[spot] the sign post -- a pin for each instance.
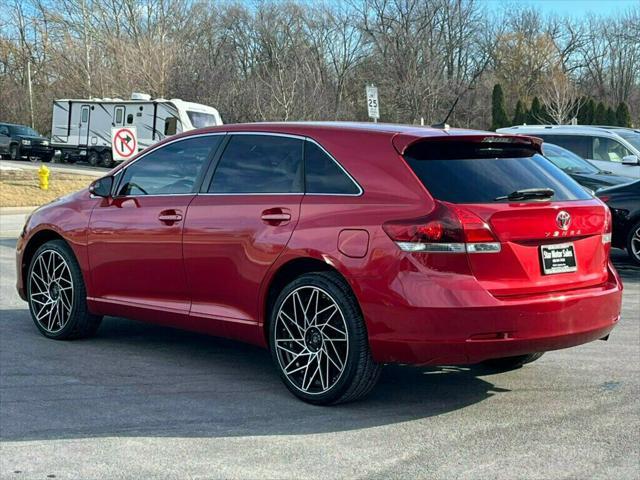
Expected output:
(124, 143)
(372, 103)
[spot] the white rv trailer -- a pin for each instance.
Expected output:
(81, 129)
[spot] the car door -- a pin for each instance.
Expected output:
(135, 237)
(83, 128)
(608, 154)
(5, 139)
(238, 226)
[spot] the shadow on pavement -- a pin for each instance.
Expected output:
(136, 379)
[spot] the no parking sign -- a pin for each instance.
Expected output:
(124, 143)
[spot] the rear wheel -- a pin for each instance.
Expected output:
(633, 243)
(511, 363)
(319, 342)
(57, 294)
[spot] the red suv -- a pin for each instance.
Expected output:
(338, 246)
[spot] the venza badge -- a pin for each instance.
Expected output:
(563, 220)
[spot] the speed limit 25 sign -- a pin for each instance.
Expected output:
(372, 102)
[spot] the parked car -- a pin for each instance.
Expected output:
(609, 149)
(339, 246)
(19, 142)
(580, 170)
(624, 202)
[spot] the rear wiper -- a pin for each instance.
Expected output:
(528, 193)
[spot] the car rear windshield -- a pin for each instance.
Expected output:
(480, 172)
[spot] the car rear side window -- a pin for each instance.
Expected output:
(324, 175)
(169, 170)
(259, 164)
(471, 172)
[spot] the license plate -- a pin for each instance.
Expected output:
(560, 258)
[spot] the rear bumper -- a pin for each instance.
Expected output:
(464, 335)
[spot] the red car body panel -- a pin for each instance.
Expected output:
(211, 271)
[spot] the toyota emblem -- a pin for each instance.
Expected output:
(563, 220)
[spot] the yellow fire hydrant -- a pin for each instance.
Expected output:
(43, 173)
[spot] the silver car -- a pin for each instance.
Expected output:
(610, 149)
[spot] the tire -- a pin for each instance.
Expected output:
(633, 243)
(106, 160)
(511, 363)
(54, 276)
(14, 152)
(347, 371)
(93, 158)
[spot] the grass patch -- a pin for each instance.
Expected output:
(20, 188)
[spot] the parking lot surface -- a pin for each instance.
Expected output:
(142, 401)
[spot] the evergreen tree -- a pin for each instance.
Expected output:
(536, 112)
(581, 111)
(600, 115)
(498, 111)
(623, 116)
(520, 116)
(612, 119)
(589, 112)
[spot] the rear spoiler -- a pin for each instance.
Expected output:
(402, 141)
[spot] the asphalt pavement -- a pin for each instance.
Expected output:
(141, 401)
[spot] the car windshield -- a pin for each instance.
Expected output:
(21, 130)
(632, 137)
(199, 119)
(566, 160)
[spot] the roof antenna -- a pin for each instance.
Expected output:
(444, 125)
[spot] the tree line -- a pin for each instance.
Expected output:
(298, 60)
(584, 111)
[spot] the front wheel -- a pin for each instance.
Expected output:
(106, 159)
(633, 244)
(511, 363)
(14, 152)
(93, 158)
(319, 342)
(57, 295)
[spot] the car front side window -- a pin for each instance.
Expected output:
(609, 149)
(173, 169)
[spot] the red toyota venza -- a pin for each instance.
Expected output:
(339, 246)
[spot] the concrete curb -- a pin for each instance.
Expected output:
(16, 210)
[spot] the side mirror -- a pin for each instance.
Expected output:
(102, 187)
(630, 160)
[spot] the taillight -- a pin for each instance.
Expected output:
(606, 233)
(448, 228)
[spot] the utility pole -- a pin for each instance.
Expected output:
(30, 91)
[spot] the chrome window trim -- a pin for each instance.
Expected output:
(299, 137)
(153, 150)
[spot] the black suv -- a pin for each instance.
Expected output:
(20, 142)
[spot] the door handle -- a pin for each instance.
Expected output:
(170, 216)
(275, 216)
